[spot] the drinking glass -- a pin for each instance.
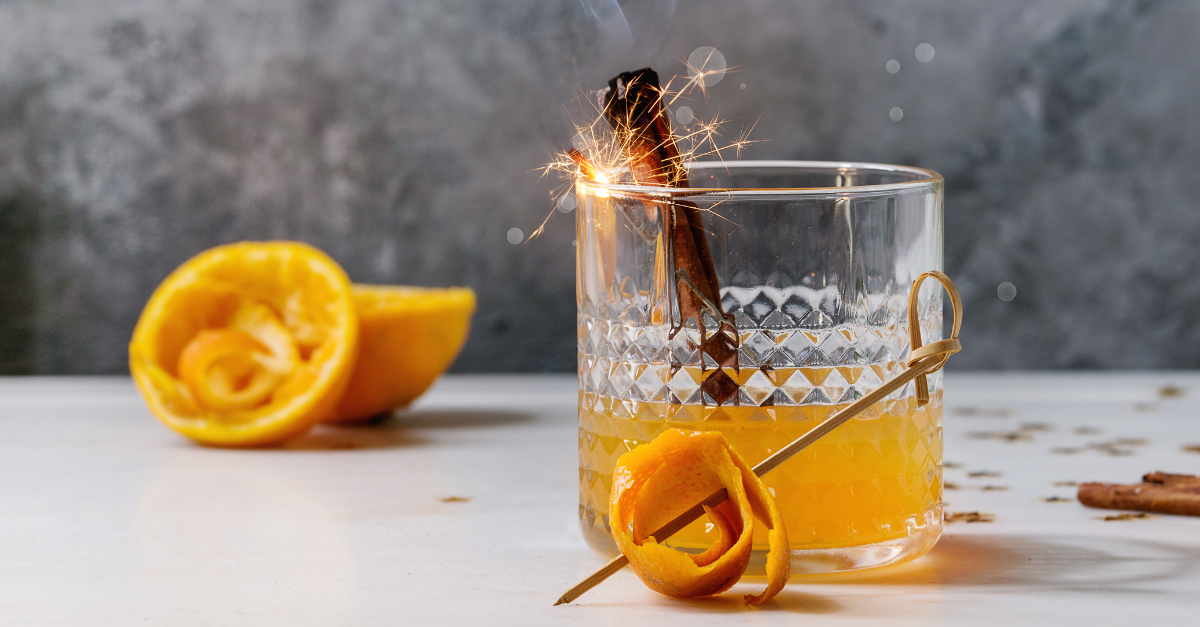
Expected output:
(814, 262)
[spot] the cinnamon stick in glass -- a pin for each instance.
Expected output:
(633, 108)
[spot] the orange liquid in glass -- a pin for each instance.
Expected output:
(875, 479)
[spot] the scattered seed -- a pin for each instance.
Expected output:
(1191, 448)
(1128, 516)
(1056, 499)
(1005, 436)
(1170, 391)
(1116, 448)
(1035, 426)
(1087, 430)
(951, 465)
(949, 485)
(1065, 484)
(985, 473)
(969, 517)
(456, 499)
(982, 412)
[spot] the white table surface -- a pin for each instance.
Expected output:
(108, 518)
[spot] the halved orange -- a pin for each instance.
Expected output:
(658, 481)
(247, 344)
(408, 336)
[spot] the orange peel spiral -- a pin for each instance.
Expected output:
(656, 482)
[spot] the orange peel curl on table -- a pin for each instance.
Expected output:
(656, 482)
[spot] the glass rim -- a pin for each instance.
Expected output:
(927, 179)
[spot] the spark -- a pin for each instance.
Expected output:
(597, 156)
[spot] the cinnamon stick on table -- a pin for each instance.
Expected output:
(633, 107)
(1159, 492)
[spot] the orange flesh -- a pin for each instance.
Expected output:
(220, 366)
(247, 344)
(408, 336)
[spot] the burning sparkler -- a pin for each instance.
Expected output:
(630, 140)
(599, 154)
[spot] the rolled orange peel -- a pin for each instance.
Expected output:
(239, 367)
(656, 482)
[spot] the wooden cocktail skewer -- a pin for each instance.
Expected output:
(922, 360)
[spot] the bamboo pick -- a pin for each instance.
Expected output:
(922, 361)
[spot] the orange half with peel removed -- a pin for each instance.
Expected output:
(408, 336)
(247, 344)
(656, 482)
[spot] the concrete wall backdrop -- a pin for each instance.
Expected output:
(402, 137)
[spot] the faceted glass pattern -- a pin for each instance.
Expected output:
(816, 285)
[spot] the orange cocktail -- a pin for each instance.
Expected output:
(875, 481)
(814, 263)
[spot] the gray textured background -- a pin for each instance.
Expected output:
(402, 137)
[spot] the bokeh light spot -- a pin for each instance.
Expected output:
(567, 202)
(893, 66)
(1006, 291)
(515, 236)
(743, 85)
(924, 53)
(685, 115)
(896, 114)
(708, 64)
